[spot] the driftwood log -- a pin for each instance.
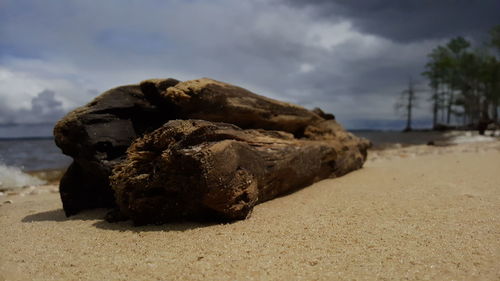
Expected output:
(97, 136)
(194, 169)
(310, 144)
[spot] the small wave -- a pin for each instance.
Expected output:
(466, 139)
(470, 137)
(13, 177)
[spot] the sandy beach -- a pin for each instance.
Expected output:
(412, 213)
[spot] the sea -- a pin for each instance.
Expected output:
(32, 154)
(25, 149)
(30, 147)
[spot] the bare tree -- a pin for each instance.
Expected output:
(406, 103)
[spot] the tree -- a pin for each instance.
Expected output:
(464, 82)
(495, 37)
(437, 73)
(407, 102)
(457, 50)
(495, 75)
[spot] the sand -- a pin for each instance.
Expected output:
(415, 213)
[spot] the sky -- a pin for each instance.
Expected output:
(351, 58)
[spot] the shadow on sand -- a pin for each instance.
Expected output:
(128, 226)
(59, 216)
(99, 214)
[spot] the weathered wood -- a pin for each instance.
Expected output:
(194, 169)
(216, 101)
(98, 134)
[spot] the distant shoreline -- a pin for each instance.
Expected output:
(26, 138)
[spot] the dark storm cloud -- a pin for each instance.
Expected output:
(410, 20)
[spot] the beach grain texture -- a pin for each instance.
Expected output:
(415, 213)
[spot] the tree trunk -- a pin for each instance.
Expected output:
(194, 169)
(435, 108)
(409, 105)
(449, 106)
(443, 100)
(495, 110)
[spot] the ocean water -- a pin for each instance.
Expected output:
(385, 138)
(32, 154)
(18, 156)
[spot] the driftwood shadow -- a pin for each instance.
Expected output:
(124, 226)
(127, 226)
(59, 216)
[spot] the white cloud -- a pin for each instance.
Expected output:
(18, 88)
(306, 67)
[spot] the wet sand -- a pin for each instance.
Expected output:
(413, 213)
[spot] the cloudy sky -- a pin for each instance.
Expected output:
(351, 58)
